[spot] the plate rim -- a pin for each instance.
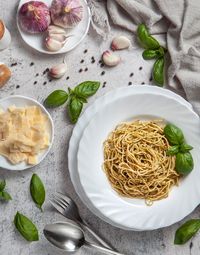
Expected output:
(51, 124)
(108, 215)
(57, 52)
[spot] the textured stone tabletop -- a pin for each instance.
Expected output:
(29, 78)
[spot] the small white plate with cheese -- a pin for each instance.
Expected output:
(26, 132)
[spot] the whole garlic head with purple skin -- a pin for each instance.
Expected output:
(34, 17)
(66, 13)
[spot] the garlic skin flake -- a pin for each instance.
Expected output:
(58, 71)
(52, 44)
(110, 58)
(120, 43)
(66, 13)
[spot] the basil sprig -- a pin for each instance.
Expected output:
(184, 161)
(37, 190)
(76, 98)
(26, 227)
(153, 50)
(3, 194)
(187, 231)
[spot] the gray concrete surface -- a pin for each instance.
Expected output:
(30, 80)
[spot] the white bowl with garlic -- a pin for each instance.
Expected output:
(26, 132)
(53, 26)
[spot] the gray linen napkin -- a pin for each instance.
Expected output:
(180, 21)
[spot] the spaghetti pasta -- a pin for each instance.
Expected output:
(136, 163)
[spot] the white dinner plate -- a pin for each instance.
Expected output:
(84, 120)
(36, 41)
(134, 213)
(22, 101)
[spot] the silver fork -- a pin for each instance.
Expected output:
(68, 208)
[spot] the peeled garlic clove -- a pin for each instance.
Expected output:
(5, 74)
(58, 71)
(120, 42)
(52, 44)
(56, 30)
(110, 58)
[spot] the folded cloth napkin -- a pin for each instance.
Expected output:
(181, 23)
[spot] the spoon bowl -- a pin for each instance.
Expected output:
(69, 236)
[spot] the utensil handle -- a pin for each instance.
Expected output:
(96, 236)
(103, 249)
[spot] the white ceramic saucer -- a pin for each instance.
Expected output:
(22, 101)
(36, 41)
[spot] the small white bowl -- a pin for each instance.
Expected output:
(22, 101)
(36, 41)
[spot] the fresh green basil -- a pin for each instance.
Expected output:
(56, 98)
(146, 40)
(184, 163)
(187, 231)
(5, 196)
(158, 71)
(2, 185)
(87, 89)
(75, 107)
(26, 227)
(184, 147)
(173, 150)
(37, 190)
(173, 134)
(153, 54)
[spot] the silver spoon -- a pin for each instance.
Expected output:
(69, 236)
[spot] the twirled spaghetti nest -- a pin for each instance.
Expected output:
(136, 163)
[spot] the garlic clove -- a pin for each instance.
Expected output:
(59, 37)
(110, 58)
(52, 44)
(58, 71)
(56, 30)
(120, 42)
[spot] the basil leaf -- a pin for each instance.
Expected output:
(184, 163)
(146, 40)
(86, 89)
(186, 231)
(75, 107)
(37, 190)
(26, 228)
(185, 147)
(2, 185)
(5, 195)
(173, 150)
(56, 98)
(173, 134)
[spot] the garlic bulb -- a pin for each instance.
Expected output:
(66, 13)
(110, 58)
(34, 17)
(5, 74)
(52, 44)
(120, 42)
(58, 71)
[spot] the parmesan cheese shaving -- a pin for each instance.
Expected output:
(23, 134)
